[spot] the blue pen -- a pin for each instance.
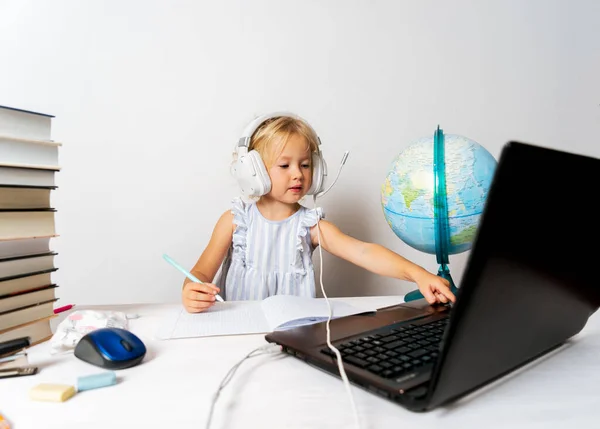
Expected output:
(187, 274)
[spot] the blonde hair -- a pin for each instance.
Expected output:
(270, 138)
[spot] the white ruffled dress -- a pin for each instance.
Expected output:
(268, 257)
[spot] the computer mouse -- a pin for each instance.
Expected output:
(111, 348)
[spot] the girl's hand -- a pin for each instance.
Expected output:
(198, 297)
(434, 288)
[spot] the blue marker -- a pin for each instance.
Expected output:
(188, 274)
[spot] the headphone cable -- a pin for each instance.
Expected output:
(327, 327)
(344, 158)
(266, 349)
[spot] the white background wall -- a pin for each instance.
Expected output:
(150, 96)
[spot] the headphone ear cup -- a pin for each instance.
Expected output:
(318, 176)
(251, 174)
(262, 175)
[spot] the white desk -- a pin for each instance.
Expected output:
(174, 385)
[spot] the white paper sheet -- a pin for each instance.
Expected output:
(224, 318)
(251, 317)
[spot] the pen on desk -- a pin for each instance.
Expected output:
(187, 274)
(13, 357)
(64, 308)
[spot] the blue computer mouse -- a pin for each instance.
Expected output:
(111, 348)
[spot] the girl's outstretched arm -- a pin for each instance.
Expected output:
(382, 261)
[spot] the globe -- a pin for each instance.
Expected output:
(434, 194)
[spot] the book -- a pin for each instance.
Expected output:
(20, 316)
(25, 282)
(16, 224)
(22, 175)
(38, 331)
(276, 312)
(25, 299)
(24, 246)
(24, 197)
(25, 123)
(15, 266)
(30, 153)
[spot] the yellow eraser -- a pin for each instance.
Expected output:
(51, 392)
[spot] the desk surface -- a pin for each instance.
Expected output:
(174, 386)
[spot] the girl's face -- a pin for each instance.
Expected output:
(291, 173)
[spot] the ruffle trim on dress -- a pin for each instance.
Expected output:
(309, 219)
(240, 216)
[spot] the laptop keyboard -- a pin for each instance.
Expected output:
(391, 351)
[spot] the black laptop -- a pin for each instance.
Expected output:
(530, 284)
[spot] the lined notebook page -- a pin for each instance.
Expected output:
(223, 318)
(251, 317)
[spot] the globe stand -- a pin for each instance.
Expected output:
(440, 214)
(444, 272)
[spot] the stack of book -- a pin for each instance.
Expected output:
(28, 164)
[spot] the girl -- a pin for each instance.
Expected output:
(265, 247)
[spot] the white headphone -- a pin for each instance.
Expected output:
(249, 168)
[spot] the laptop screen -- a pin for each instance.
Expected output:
(530, 282)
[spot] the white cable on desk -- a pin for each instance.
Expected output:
(266, 349)
(329, 344)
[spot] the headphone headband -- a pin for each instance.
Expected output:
(251, 128)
